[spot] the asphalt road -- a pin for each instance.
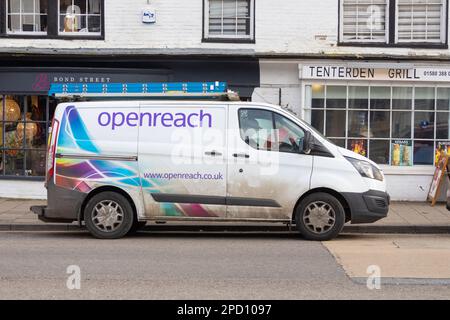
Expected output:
(33, 265)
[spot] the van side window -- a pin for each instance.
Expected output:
(289, 135)
(266, 130)
(256, 127)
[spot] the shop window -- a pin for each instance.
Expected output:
(380, 124)
(423, 152)
(380, 97)
(358, 97)
(423, 125)
(402, 98)
(394, 22)
(442, 125)
(400, 126)
(358, 124)
(336, 97)
(424, 98)
(229, 19)
(23, 135)
(379, 151)
(335, 123)
(443, 99)
(26, 16)
(79, 17)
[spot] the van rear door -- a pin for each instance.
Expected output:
(182, 160)
(97, 147)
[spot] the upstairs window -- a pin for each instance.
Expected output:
(229, 19)
(421, 21)
(364, 20)
(52, 19)
(79, 17)
(394, 22)
(26, 16)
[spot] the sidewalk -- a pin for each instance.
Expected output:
(404, 217)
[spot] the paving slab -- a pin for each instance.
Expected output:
(397, 256)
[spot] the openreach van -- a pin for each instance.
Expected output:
(118, 164)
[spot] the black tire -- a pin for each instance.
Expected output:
(324, 202)
(125, 219)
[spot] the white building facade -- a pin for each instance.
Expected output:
(372, 75)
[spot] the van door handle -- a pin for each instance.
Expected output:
(213, 153)
(241, 155)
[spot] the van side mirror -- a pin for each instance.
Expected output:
(308, 142)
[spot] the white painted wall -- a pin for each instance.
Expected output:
(19, 189)
(287, 27)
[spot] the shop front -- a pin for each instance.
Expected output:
(26, 110)
(396, 114)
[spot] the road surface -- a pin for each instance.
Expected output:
(179, 265)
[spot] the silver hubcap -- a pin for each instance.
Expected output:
(319, 217)
(107, 215)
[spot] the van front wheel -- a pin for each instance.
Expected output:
(320, 217)
(108, 215)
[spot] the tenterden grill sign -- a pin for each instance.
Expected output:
(370, 73)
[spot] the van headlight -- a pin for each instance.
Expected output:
(366, 169)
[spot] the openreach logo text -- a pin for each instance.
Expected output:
(155, 119)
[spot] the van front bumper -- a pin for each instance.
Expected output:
(367, 207)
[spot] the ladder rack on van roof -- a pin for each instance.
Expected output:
(173, 90)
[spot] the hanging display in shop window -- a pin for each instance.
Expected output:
(401, 153)
(359, 147)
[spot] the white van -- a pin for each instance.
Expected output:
(116, 165)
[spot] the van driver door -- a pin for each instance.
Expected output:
(267, 171)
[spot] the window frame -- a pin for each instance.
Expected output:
(76, 34)
(273, 113)
(21, 33)
(392, 31)
(387, 27)
(24, 147)
(52, 25)
(227, 38)
(414, 110)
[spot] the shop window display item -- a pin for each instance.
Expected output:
(12, 113)
(401, 153)
(71, 20)
(30, 130)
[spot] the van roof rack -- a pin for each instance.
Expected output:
(172, 90)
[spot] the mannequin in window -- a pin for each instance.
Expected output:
(71, 20)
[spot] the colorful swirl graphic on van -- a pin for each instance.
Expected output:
(84, 175)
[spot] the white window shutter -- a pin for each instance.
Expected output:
(229, 18)
(420, 21)
(364, 20)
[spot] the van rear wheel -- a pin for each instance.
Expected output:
(320, 217)
(108, 215)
